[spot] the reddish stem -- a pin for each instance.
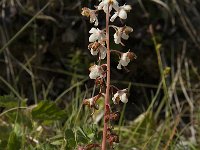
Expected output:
(107, 97)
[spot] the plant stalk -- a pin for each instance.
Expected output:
(107, 97)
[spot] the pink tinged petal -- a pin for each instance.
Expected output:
(117, 38)
(115, 5)
(96, 22)
(110, 8)
(93, 30)
(122, 14)
(125, 36)
(115, 97)
(92, 75)
(100, 6)
(114, 17)
(105, 8)
(121, 95)
(91, 101)
(102, 36)
(124, 60)
(124, 98)
(95, 72)
(93, 18)
(93, 37)
(119, 66)
(124, 56)
(103, 52)
(127, 7)
(123, 63)
(93, 52)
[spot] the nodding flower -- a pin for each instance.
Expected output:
(91, 102)
(105, 3)
(96, 48)
(121, 95)
(122, 33)
(96, 71)
(97, 35)
(91, 14)
(125, 59)
(121, 13)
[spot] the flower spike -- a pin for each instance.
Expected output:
(100, 46)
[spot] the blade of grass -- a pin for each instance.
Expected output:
(58, 99)
(11, 88)
(23, 28)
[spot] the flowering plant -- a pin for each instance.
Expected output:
(100, 45)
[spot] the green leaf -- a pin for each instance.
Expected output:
(14, 142)
(82, 136)
(69, 134)
(3, 144)
(9, 101)
(57, 142)
(47, 110)
(70, 137)
(4, 132)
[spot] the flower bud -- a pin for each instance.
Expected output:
(112, 116)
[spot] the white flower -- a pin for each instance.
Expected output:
(122, 12)
(96, 48)
(96, 34)
(125, 59)
(103, 51)
(122, 33)
(120, 95)
(111, 3)
(95, 72)
(90, 13)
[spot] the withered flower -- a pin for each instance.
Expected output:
(91, 102)
(91, 14)
(96, 48)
